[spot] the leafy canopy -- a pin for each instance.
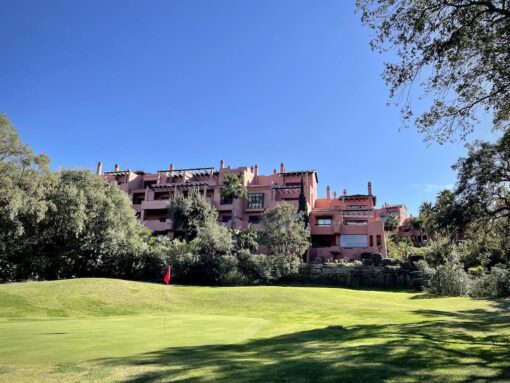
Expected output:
(457, 51)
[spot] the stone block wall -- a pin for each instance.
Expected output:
(358, 275)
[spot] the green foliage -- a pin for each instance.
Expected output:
(391, 223)
(233, 188)
(303, 205)
(286, 237)
(245, 239)
(401, 248)
(190, 213)
(492, 285)
(457, 51)
(450, 279)
(25, 182)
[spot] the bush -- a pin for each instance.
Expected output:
(450, 279)
(255, 268)
(492, 285)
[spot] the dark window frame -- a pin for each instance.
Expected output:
(255, 200)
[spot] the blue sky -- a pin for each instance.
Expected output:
(191, 82)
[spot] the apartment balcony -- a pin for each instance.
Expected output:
(354, 229)
(322, 230)
(154, 205)
(358, 213)
(157, 225)
(226, 207)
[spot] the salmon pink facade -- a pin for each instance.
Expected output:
(341, 227)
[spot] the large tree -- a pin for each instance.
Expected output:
(484, 181)
(25, 181)
(286, 237)
(457, 51)
(190, 213)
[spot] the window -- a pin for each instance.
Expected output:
(255, 200)
(371, 240)
(161, 196)
(254, 219)
(225, 201)
(226, 218)
(293, 184)
(162, 219)
(323, 243)
(138, 199)
(379, 240)
(353, 240)
(354, 222)
(324, 221)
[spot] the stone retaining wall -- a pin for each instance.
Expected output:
(359, 275)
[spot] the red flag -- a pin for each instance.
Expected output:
(167, 276)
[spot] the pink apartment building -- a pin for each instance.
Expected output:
(341, 227)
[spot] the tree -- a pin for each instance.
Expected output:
(426, 212)
(286, 237)
(392, 222)
(457, 50)
(25, 182)
(484, 177)
(190, 213)
(303, 205)
(233, 188)
(450, 218)
(90, 229)
(483, 187)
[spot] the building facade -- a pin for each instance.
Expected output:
(341, 227)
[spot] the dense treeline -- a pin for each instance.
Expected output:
(72, 223)
(468, 252)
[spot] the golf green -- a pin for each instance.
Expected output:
(100, 330)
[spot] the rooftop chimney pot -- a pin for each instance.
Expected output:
(99, 170)
(327, 192)
(222, 164)
(369, 188)
(116, 168)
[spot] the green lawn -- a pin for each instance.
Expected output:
(111, 330)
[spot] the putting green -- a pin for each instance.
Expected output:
(104, 330)
(58, 341)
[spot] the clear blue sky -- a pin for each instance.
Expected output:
(144, 84)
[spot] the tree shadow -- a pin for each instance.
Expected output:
(471, 342)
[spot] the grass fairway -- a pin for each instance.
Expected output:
(111, 330)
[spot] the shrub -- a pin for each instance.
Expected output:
(492, 285)
(255, 268)
(450, 279)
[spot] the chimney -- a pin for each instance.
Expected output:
(116, 168)
(369, 188)
(99, 170)
(334, 194)
(274, 172)
(252, 169)
(256, 172)
(282, 168)
(171, 171)
(345, 192)
(327, 192)
(222, 164)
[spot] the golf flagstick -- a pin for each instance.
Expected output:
(167, 281)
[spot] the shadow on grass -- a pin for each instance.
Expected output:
(464, 346)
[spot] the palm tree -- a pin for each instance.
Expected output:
(391, 223)
(233, 188)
